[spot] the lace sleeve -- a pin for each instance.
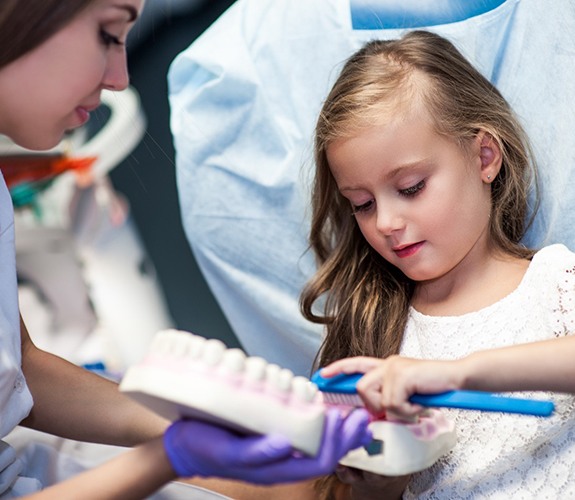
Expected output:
(562, 299)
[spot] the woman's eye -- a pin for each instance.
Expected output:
(109, 39)
(364, 207)
(412, 190)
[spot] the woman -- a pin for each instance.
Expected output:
(55, 60)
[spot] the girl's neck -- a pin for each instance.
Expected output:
(472, 289)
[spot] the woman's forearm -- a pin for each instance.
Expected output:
(135, 474)
(74, 403)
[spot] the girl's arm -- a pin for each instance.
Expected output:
(537, 366)
(74, 403)
(388, 384)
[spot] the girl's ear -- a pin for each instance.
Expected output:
(490, 156)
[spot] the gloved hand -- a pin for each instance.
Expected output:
(197, 448)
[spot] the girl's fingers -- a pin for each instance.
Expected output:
(359, 364)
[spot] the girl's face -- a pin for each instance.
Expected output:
(53, 88)
(420, 201)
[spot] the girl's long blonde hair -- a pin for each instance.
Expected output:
(364, 300)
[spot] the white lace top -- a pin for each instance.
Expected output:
(505, 456)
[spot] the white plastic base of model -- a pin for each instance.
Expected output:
(187, 376)
(399, 448)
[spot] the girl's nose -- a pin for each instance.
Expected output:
(116, 76)
(388, 220)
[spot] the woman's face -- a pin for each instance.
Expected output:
(53, 88)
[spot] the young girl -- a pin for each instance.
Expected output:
(419, 205)
(55, 60)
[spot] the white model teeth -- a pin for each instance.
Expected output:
(272, 374)
(157, 344)
(284, 379)
(303, 389)
(170, 342)
(186, 375)
(196, 346)
(233, 361)
(179, 343)
(255, 369)
(213, 352)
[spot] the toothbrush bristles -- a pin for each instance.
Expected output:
(338, 398)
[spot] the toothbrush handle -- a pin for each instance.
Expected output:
(485, 401)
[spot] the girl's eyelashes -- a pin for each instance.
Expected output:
(407, 192)
(108, 39)
(412, 190)
(364, 207)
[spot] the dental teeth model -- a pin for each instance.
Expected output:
(403, 448)
(185, 375)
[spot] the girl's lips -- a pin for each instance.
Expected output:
(408, 250)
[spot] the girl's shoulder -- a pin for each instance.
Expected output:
(553, 257)
(551, 274)
(551, 287)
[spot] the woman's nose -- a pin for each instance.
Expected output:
(116, 76)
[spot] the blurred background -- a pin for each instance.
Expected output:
(147, 176)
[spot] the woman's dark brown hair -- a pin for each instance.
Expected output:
(25, 24)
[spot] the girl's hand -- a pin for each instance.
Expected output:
(388, 383)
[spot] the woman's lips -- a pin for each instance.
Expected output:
(83, 114)
(408, 250)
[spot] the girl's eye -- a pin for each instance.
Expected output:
(412, 190)
(362, 208)
(109, 39)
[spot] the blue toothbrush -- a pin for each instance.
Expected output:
(341, 389)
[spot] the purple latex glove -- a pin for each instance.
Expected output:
(197, 448)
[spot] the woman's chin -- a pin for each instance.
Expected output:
(37, 142)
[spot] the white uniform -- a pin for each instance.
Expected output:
(15, 398)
